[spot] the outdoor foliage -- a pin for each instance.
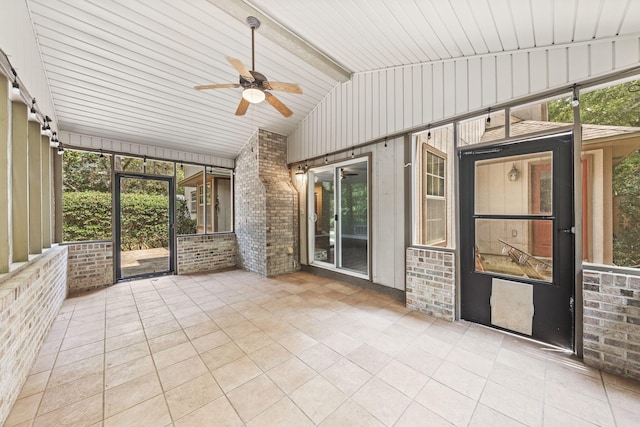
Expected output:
(184, 223)
(87, 216)
(615, 106)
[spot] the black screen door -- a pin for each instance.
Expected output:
(517, 237)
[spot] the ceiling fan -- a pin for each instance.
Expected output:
(255, 84)
(344, 174)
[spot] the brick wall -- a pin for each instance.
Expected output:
(266, 203)
(90, 265)
(206, 252)
(30, 299)
(612, 322)
(430, 286)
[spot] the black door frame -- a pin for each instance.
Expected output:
(558, 328)
(117, 226)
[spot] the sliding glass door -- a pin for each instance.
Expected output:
(339, 217)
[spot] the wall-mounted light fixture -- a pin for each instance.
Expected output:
(14, 94)
(60, 150)
(489, 117)
(429, 132)
(513, 173)
(33, 114)
(575, 101)
(46, 129)
(54, 142)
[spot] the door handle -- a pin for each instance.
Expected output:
(571, 230)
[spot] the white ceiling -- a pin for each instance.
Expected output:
(125, 69)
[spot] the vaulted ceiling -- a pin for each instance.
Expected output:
(125, 69)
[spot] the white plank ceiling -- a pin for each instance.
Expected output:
(125, 69)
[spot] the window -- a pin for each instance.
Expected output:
(433, 214)
(434, 209)
(86, 197)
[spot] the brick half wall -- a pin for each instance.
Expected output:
(612, 322)
(206, 252)
(430, 286)
(30, 300)
(90, 266)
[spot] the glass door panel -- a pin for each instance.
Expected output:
(354, 214)
(143, 226)
(324, 225)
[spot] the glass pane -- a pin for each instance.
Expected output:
(144, 219)
(323, 215)
(188, 210)
(435, 222)
(86, 197)
(516, 185)
(485, 128)
(520, 248)
(610, 174)
(354, 203)
(542, 117)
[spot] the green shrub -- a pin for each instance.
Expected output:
(87, 216)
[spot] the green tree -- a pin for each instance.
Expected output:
(615, 106)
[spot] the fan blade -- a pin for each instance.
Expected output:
(284, 87)
(220, 86)
(240, 68)
(278, 105)
(242, 107)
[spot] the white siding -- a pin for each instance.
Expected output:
(97, 143)
(392, 100)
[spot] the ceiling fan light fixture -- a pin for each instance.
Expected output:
(253, 95)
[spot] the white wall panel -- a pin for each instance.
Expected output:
(19, 43)
(450, 87)
(97, 143)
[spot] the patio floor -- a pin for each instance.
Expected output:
(235, 349)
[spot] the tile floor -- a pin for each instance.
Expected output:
(233, 349)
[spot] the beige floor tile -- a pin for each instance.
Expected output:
(204, 328)
(624, 398)
(433, 345)
(23, 410)
(222, 355)
(625, 418)
(125, 340)
(382, 401)
(369, 358)
(125, 372)
(580, 405)
(209, 341)
(166, 341)
(65, 394)
(446, 402)
(73, 371)
(126, 354)
(80, 353)
(460, 380)
(192, 395)
(484, 416)
(43, 363)
(621, 382)
(523, 362)
(181, 372)
(193, 319)
(346, 376)
(318, 398)
(123, 328)
(270, 356)
(420, 360)
(225, 317)
(578, 382)
(163, 328)
(517, 380)
(50, 347)
(35, 383)
(219, 410)
(513, 404)
(284, 413)
(173, 355)
(131, 393)
(254, 397)
(471, 362)
(236, 373)
(555, 417)
(83, 412)
(151, 413)
(341, 343)
(291, 374)
(418, 415)
(350, 414)
(403, 378)
(254, 341)
(319, 357)
(241, 329)
(297, 342)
